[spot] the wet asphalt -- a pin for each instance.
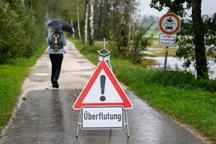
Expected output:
(46, 115)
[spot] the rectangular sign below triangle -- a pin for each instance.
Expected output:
(102, 89)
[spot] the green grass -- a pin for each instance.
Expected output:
(159, 53)
(177, 94)
(12, 74)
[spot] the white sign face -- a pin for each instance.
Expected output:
(102, 117)
(167, 40)
(110, 93)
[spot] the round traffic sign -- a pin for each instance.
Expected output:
(169, 23)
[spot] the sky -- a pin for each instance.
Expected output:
(208, 7)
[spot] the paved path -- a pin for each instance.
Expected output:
(46, 116)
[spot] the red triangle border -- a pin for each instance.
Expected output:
(102, 66)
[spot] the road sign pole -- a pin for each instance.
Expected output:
(165, 60)
(169, 25)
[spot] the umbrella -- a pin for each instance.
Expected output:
(57, 24)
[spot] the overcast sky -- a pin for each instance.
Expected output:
(208, 7)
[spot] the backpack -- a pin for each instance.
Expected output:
(56, 44)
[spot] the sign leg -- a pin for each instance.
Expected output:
(126, 123)
(78, 125)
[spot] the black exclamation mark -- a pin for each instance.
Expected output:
(102, 82)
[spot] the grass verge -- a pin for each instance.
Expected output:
(178, 94)
(12, 74)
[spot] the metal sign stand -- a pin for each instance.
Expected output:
(104, 54)
(169, 21)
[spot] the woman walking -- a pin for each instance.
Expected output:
(56, 41)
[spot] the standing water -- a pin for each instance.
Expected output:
(174, 63)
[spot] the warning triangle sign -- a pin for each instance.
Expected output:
(102, 89)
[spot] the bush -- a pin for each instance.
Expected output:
(181, 79)
(139, 40)
(18, 32)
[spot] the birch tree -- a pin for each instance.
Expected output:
(78, 19)
(91, 22)
(86, 21)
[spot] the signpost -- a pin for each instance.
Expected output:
(102, 102)
(169, 25)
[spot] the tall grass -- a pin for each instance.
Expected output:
(12, 74)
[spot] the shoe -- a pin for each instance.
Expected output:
(55, 85)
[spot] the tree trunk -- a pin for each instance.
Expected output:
(78, 19)
(86, 21)
(23, 3)
(129, 33)
(201, 61)
(91, 22)
(72, 25)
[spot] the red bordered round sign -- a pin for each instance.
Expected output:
(169, 23)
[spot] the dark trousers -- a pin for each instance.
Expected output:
(56, 61)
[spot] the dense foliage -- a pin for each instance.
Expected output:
(185, 41)
(20, 32)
